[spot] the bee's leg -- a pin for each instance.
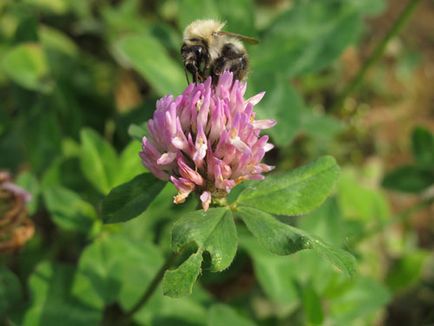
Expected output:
(186, 76)
(194, 74)
(238, 66)
(232, 60)
(193, 70)
(197, 77)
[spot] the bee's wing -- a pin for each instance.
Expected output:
(247, 39)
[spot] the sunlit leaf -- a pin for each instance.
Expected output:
(52, 6)
(145, 54)
(358, 201)
(68, 210)
(224, 315)
(54, 39)
(98, 160)
(283, 239)
(26, 65)
(130, 163)
(212, 231)
(179, 282)
(293, 193)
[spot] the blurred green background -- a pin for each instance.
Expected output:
(78, 81)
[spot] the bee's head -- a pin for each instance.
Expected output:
(198, 38)
(195, 55)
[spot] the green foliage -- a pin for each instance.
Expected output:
(222, 315)
(360, 202)
(97, 160)
(130, 199)
(111, 268)
(213, 232)
(68, 210)
(312, 305)
(408, 178)
(331, 28)
(282, 239)
(10, 290)
(179, 282)
(51, 299)
(191, 10)
(277, 237)
(29, 182)
(359, 300)
(78, 82)
(283, 103)
(275, 274)
(422, 141)
(293, 193)
(406, 270)
(417, 177)
(26, 65)
(148, 56)
(102, 166)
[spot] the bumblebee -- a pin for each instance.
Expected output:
(208, 51)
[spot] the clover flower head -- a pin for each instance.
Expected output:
(15, 226)
(6, 184)
(207, 139)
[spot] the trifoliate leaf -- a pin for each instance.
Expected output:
(293, 193)
(212, 231)
(283, 239)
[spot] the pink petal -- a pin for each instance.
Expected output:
(166, 158)
(264, 124)
(256, 98)
(268, 147)
(188, 173)
(184, 187)
(239, 144)
(205, 198)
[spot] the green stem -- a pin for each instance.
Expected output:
(398, 24)
(152, 286)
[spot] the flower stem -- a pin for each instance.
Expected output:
(397, 25)
(152, 286)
